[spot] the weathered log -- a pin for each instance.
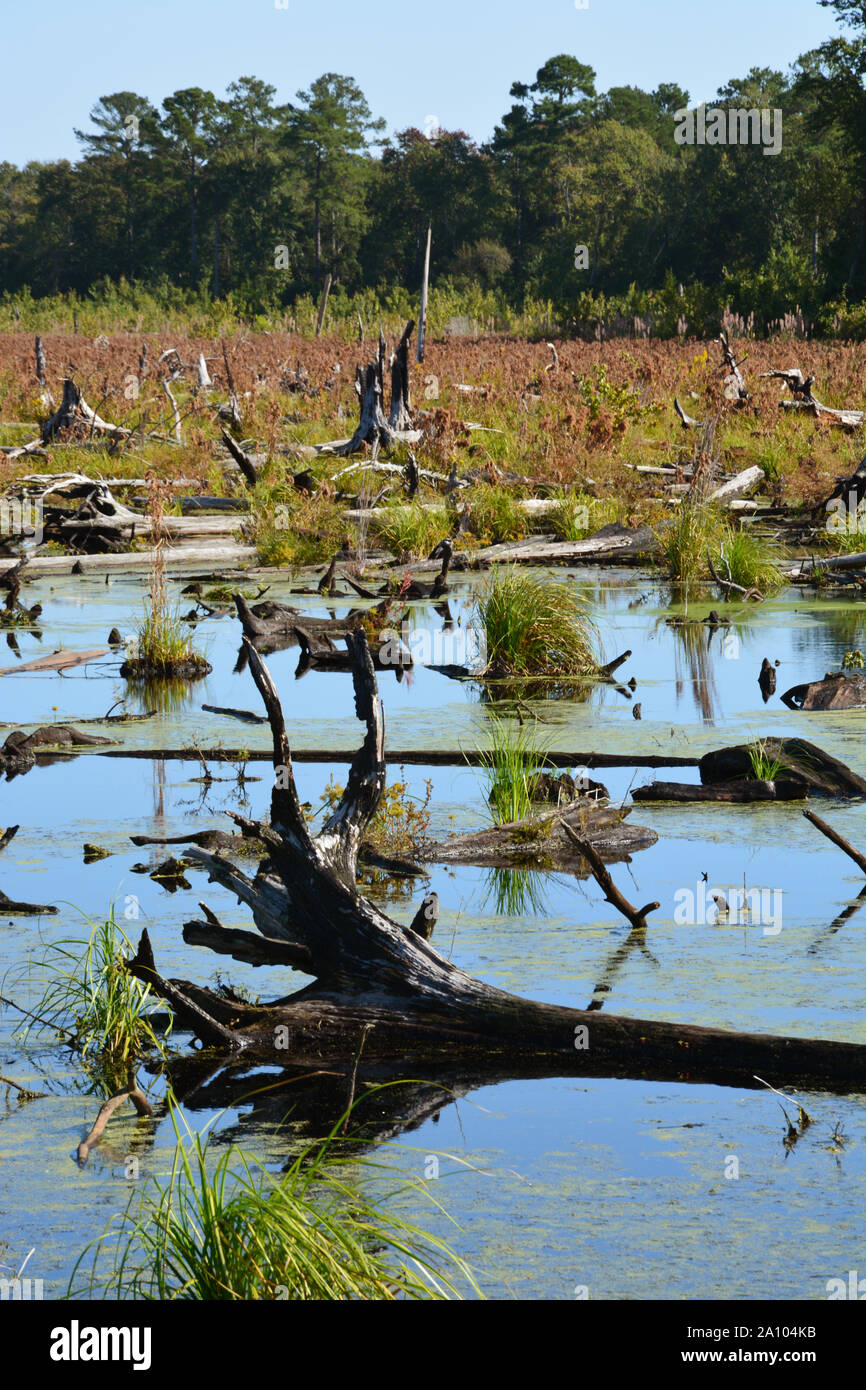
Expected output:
(744, 790)
(819, 773)
(241, 458)
(837, 839)
(25, 909)
(803, 399)
(75, 414)
(543, 841)
(838, 690)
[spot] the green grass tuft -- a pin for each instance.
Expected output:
(536, 626)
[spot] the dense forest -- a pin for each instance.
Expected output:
(244, 199)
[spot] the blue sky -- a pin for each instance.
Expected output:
(452, 59)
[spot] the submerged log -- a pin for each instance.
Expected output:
(375, 975)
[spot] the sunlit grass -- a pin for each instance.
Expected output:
(229, 1230)
(536, 626)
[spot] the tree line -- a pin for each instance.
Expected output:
(245, 197)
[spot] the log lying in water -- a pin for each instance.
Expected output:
(745, 790)
(542, 841)
(836, 691)
(727, 774)
(377, 978)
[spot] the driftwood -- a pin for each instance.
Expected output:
(129, 1092)
(837, 690)
(25, 909)
(742, 790)
(374, 977)
(735, 382)
(56, 661)
(727, 775)
(543, 841)
(837, 839)
(800, 387)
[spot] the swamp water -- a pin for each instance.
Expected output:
(555, 1187)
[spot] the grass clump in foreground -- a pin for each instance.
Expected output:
(230, 1231)
(511, 767)
(92, 999)
(162, 645)
(533, 625)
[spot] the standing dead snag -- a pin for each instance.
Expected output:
(373, 427)
(368, 969)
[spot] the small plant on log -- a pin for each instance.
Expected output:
(229, 1231)
(536, 626)
(399, 827)
(765, 768)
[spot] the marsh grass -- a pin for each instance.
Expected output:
(535, 626)
(511, 767)
(290, 529)
(163, 641)
(571, 519)
(90, 996)
(411, 531)
(495, 516)
(749, 562)
(229, 1230)
(765, 768)
(694, 530)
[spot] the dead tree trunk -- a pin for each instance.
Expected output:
(371, 972)
(373, 427)
(735, 382)
(400, 417)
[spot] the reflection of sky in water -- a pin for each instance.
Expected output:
(584, 1181)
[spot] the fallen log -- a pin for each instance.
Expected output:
(837, 839)
(543, 841)
(744, 790)
(56, 661)
(375, 976)
(800, 387)
(819, 773)
(25, 909)
(130, 1092)
(836, 691)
